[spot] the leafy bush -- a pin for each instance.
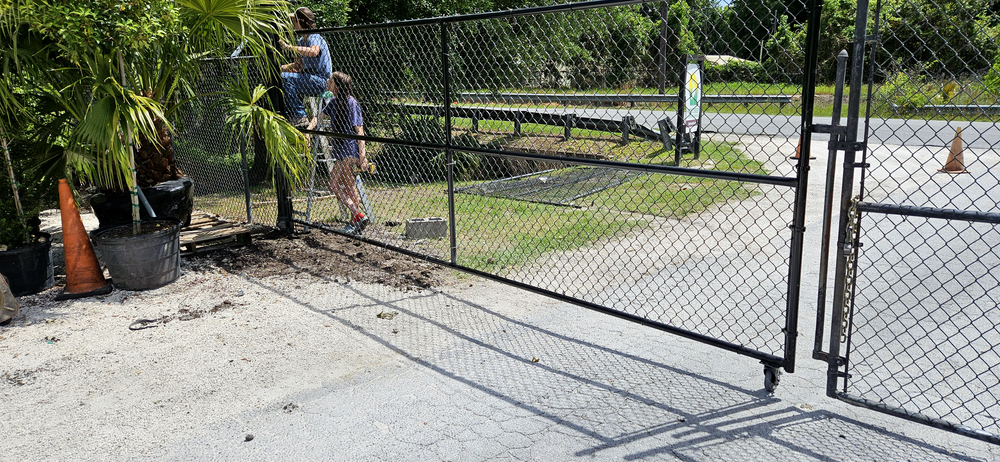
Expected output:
(786, 52)
(735, 71)
(36, 191)
(992, 78)
(902, 92)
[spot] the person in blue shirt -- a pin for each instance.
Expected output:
(312, 67)
(344, 114)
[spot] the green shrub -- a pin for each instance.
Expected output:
(902, 92)
(992, 78)
(735, 71)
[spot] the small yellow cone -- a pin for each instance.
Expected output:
(955, 163)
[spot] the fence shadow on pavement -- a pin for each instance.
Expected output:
(548, 379)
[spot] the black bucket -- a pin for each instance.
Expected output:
(29, 269)
(144, 261)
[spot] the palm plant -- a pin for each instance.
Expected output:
(101, 79)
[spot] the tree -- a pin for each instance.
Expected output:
(102, 77)
(940, 37)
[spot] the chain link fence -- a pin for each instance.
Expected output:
(228, 179)
(540, 147)
(920, 334)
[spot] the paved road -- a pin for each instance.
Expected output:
(902, 132)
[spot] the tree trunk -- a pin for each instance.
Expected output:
(154, 160)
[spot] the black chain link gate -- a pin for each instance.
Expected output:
(914, 314)
(534, 147)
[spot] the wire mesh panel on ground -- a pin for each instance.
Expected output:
(219, 160)
(553, 125)
(919, 319)
(558, 186)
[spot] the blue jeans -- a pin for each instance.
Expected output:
(297, 86)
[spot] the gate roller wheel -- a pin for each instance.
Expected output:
(771, 378)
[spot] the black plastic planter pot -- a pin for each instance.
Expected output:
(170, 199)
(29, 269)
(145, 261)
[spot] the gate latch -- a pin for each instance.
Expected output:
(846, 145)
(835, 129)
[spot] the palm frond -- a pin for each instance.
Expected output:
(287, 147)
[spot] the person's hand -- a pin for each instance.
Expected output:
(284, 45)
(364, 164)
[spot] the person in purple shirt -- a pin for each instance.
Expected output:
(312, 67)
(344, 114)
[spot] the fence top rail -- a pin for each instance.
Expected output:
(600, 97)
(621, 98)
(578, 6)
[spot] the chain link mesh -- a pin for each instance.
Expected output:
(219, 160)
(926, 289)
(534, 97)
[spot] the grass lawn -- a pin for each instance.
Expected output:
(494, 233)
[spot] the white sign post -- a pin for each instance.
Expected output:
(692, 97)
(689, 108)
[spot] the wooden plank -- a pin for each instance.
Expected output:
(215, 233)
(208, 232)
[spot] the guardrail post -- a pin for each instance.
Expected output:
(626, 124)
(665, 134)
(517, 123)
(570, 121)
(475, 121)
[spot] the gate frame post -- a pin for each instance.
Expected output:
(828, 197)
(798, 225)
(845, 248)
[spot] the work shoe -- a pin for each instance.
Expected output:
(348, 229)
(360, 222)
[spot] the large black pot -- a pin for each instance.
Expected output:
(29, 269)
(143, 261)
(170, 199)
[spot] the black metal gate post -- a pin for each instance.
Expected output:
(798, 225)
(845, 237)
(836, 134)
(449, 152)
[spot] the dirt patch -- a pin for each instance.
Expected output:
(329, 256)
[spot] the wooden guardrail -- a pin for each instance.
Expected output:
(627, 125)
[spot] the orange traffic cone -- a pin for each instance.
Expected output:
(955, 163)
(84, 277)
(798, 150)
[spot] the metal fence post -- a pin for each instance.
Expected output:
(245, 166)
(799, 217)
(449, 153)
(845, 248)
(831, 165)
